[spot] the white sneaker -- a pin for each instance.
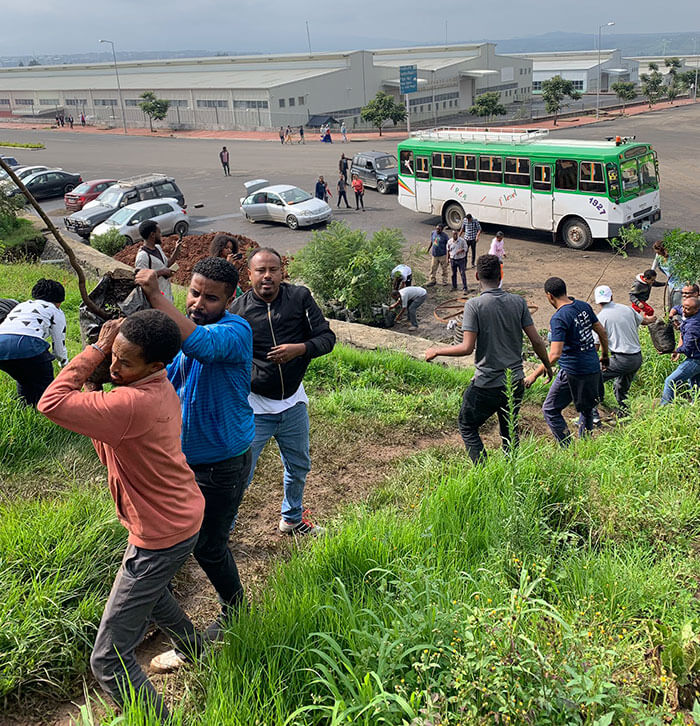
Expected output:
(167, 662)
(306, 526)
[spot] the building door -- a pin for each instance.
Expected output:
(424, 201)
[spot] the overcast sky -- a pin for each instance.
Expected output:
(53, 26)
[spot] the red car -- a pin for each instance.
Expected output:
(86, 192)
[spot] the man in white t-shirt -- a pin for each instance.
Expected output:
(621, 323)
(410, 299)
(401, 276)
(152, 257)
(24, 348)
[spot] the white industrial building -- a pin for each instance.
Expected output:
(582, 67)
(263, 91)
(688, 62)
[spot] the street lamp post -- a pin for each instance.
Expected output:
(119, 88)
(597, 94)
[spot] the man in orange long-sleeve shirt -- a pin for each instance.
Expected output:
(136, 431)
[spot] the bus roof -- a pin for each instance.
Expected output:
(511, 142)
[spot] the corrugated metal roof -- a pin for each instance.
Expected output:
(164, 79)
(583, 64)
(422, 64)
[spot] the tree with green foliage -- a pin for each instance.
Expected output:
(683, 249)
(489, 105)
(625, 91)
(686, 79)
(554, 91)
(342, 265)
(383, 108)
(652, 84)
(673, 85)
(154, 108)
(33, 62)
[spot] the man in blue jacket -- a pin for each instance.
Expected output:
(688, 372)
(288, 331)
(211, 375)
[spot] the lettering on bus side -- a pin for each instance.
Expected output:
(597, 204)
(461, 193)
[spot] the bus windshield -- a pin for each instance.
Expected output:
(630, 176)
(647, 171)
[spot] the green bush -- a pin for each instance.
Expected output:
(684, 252)
(19, 237)
(108, 243)
(15, 145)
(343, 265)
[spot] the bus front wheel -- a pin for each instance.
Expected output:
(453, 216)
(577, 234)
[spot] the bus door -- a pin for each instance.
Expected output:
(407, 179)
(424, 202)
(542, 212)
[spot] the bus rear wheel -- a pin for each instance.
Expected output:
(577, 234)
(453, 215)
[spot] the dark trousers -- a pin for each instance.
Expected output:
(471, 245)
(359, 200)
(227, 171)
(478, 405)
(140, 595)
(558, 398)
(222, 485)
(343, 195)
(461, 265)
(622, 369)
(33, 376)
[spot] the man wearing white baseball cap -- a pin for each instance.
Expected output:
(621, 323)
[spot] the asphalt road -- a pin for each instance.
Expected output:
(194, 164)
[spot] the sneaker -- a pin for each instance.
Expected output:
(168, 662)
(306, 526)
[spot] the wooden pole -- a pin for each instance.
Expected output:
(66, 248)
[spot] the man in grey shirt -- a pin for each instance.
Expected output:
(621, 323)
(493, 324)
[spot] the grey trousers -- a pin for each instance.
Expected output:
(622, 369)
(412, 307)
(139, 595)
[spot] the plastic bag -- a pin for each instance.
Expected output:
(663, 336)
(117, 294)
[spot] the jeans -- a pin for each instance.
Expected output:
(688, 372)
(412, 307)
(558, 398)
(478, 405)
(435, 263)
(290, 430)
(222, 485)
(227, 171)
(461, 266)
(343, 196)
(471, 245)
(359, 200)
(33, 375)
(139, 595)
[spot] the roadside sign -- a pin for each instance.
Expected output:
(408, 79)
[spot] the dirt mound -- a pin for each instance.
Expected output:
(195, 247)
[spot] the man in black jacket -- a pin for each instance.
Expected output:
(288, 331)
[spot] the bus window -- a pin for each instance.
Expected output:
(613, 180)
(647, 171)
(465, 167)
(630, 176)
(542, 178)
(591, 177)
(422, 167)
(517, 171)
(565, 174)
(491, 169)
(442, 166)
(406, 162)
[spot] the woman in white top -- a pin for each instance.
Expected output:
(24, 347)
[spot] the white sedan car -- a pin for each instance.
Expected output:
(170, 216)
(283, 203)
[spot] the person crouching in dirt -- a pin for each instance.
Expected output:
(135, 429)
(211, 375)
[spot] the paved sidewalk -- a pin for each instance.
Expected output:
(312, 136)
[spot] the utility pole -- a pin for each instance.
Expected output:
(597, 93)
(308, 36)
(119, 88)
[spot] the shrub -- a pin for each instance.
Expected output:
(108, 243)
(340, 264)
(684, 252)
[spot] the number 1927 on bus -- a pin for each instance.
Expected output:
(597, 204)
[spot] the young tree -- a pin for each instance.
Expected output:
(652, 84)
(488, 104)
(673, 86)
(554, 91)
(383, 108)
(625, 91)
(33, 62)
(154, 108)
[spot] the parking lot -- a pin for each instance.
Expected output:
(531, 256)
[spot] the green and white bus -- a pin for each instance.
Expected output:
(577, 190)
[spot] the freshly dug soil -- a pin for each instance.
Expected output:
(195, 247)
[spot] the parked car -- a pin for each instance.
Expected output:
(22, 172)
(282, 203)
(10, 161)
(125, 191)
(168, 213)
(49, 183)
(377, 169)
(86, 192)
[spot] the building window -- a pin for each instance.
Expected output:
(292, 102)
(578, 85)
(131, 102)
(249, 105)
(182, 103)
(205, 103)
(282, 103)
(300, 100)
(4, 101)
(24, 102)
(537, 85)
(48, 102)
(105, 102)
(76, 102)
